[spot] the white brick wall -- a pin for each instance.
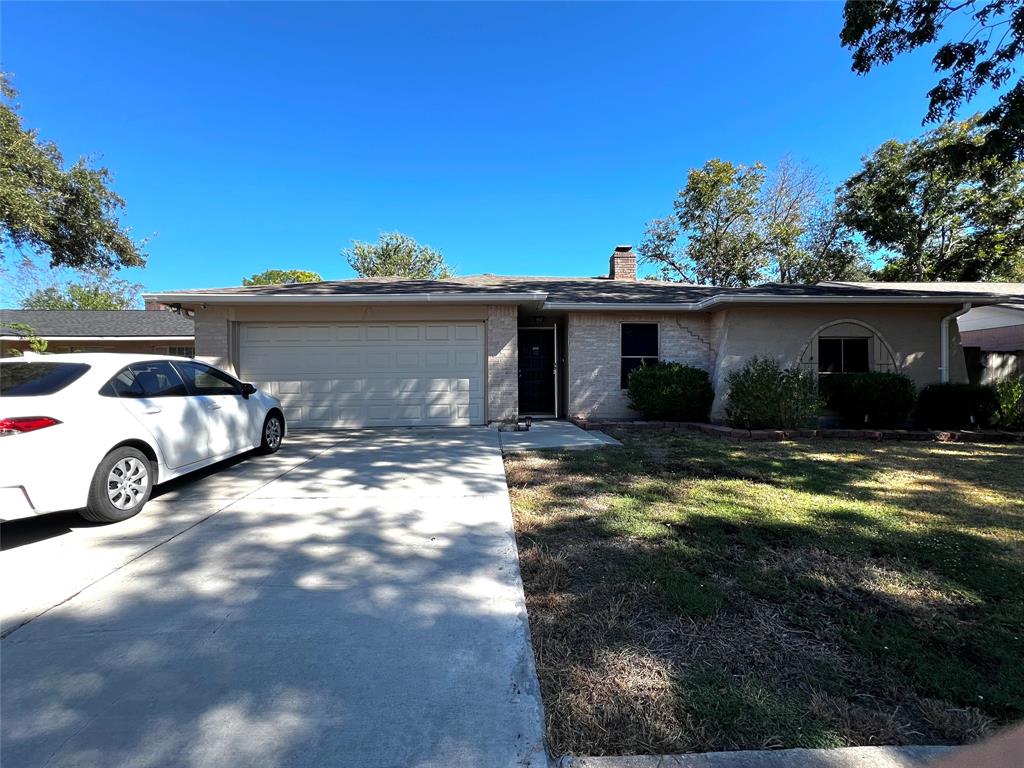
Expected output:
(502, 362)
(595, 349)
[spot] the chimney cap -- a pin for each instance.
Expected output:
(623, 248)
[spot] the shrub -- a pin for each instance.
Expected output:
(956, 406)
(671, 392)
(764, 395)
(1010, 396)
(880, 400)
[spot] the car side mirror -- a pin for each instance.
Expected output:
(248, 389)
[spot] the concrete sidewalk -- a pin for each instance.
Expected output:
(353, 600)
(558, 435)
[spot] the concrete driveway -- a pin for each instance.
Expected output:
(353, 600)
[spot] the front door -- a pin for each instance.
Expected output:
(537, 382)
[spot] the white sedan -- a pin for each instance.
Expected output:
(96, 432)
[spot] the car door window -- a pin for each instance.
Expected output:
(150, 379)
(204, 380)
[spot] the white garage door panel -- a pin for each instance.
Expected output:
(356, 375)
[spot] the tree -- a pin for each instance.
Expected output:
(397, 255)
(829, 250)
(934, 217)
(35, 343)
(733, 226)
(71, 215)
(96, 291)
(880, 30)
(785, 211)
(279, 276)
(712, 239)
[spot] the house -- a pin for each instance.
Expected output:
(97, 330)
(992, 336)
(488, 348)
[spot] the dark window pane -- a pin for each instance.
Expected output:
(28, 379)
(630, 364)
(122, 385)
(640, 339)
(204, 380)
(158, 379)
(855, 356)
(830, 355)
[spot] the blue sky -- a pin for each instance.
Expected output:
(517, 138)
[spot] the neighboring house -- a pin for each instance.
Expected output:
(993, 339)
(98, 330)
(486, 348)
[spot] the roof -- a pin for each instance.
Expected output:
(97, 323)
(1014, 290)
(577, 292)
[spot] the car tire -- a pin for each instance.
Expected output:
(272, 434)
(121, 486)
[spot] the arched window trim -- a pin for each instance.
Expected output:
(851, 321)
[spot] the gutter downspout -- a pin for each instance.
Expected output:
(944, 340)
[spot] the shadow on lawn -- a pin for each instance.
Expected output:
(692, 614)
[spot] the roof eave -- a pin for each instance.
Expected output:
(348, 298)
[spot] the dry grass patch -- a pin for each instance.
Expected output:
(691, 594)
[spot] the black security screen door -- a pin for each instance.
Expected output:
(537, 371)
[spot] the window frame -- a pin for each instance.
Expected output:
(623, 375)
(193, 392)
(108, 389)
(842, 354)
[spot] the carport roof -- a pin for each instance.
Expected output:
(582, 292)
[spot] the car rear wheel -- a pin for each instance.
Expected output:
(121, 486)
(273, 432)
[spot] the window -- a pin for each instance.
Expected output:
(28, 379)
(639, 347)
(155, 379)
(844, 355)
(204, 380)
(181, 351)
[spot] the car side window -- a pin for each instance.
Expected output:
(150, 379)
(204, 380)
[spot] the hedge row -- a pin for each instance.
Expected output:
(765, 395)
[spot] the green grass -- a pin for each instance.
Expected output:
(802, 594)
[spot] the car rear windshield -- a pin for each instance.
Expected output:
(29, 379)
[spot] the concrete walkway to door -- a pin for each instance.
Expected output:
(354, 600)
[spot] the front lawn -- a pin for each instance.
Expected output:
(688, 593)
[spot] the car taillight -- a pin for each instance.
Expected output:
(16, 425)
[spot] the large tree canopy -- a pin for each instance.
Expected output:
(985, 55)
(737, 226)
(935, 218)
(96, 291)
(712, 238)
(278, 276)
(69, 215)
(397, 255)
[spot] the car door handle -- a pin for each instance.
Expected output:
(214, 407)
(154, 410)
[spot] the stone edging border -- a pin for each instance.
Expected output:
(718, 430)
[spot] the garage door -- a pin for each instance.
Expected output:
(361, 375)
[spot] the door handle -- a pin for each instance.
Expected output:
(214, 407)
(154, 410)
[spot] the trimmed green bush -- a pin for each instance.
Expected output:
(764, 395)
(671, 392)
(1010, 413)
(879, 400)
(956, 406)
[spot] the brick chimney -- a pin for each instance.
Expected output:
(622, 264)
